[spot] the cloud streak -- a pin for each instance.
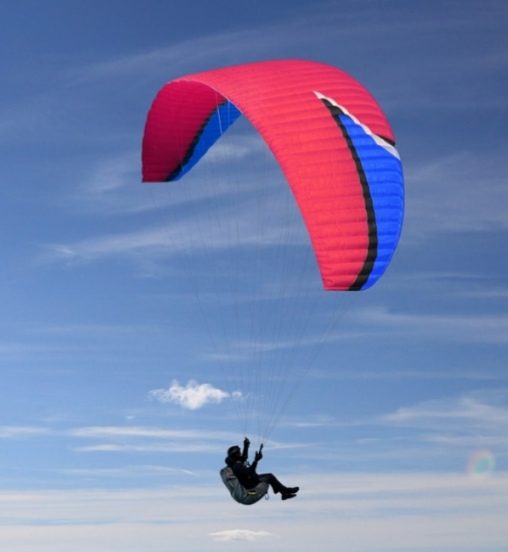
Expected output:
(239, 535)
(461, 192)
(198, 52)
(23, 432)
(437, 511)
(113, 185)
(472, 327)
(465, 412)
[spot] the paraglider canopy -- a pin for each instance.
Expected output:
(329, 136)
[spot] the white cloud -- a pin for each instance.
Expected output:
(185, 448)
(471, 327)
(470, 421)
(438, 512)
(239, 535)
(463, 414)
(113, 185)
(18, 432)
(211, 223)
(142, 432)
(140, 439)
(243, 146)
(135, 471)
(193, 395)
(459, 192)
(188, 55)
(23, 120)
(113, 173)
(134, 431)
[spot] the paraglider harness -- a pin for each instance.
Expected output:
(239, 492)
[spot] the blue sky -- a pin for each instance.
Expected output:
(401, 390)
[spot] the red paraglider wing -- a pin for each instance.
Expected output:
(330, 137)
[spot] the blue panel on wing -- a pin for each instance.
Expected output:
(383, 174)
(213, 128)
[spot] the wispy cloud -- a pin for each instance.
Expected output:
(154, 240)
(141, 439)
(438, 511)
(239, 535)
(22, 121)
(460, 192)
(449, 428)
(458, 283)
(23, 432)
(147, 432)
(134, 471)
(424, 84)
(228, 224)
(461, 413)
(472, 327)
(174, 448)
(250, 44)
(381, 322)
(112, 185)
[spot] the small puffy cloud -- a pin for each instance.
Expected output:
(239, 535)
(194, 395)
